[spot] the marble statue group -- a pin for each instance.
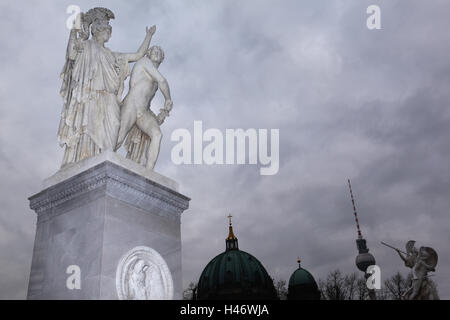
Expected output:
(95, 118)
(98, 117)
(421, 261)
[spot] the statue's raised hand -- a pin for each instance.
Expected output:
(150, 31)
(168, 105)
(161, 117)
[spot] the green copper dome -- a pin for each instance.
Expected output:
(302, 285)
(301, 276)
(235, 274)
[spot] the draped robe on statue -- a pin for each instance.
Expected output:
(90, 118)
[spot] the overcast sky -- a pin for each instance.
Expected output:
(369, 105)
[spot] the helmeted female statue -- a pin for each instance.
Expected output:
(93, 80)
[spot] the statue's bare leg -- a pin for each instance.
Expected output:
(417, 285)
(148, 124)
(405, 295)
(127, 120)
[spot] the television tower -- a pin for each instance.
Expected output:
(364, 259)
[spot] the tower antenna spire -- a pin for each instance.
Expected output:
(354, 210)
(364, 259)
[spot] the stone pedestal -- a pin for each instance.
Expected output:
(92, 215)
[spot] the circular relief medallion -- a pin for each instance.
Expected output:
(143, 274)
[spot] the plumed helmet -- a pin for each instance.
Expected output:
(409, 246)
(98, 16)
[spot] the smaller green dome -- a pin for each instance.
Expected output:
(301, 276)
(302, 285)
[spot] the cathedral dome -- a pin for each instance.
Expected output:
(302, 285)
(235, 274)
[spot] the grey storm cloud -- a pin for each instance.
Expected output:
(349, 103)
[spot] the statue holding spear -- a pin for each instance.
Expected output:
(421, 262)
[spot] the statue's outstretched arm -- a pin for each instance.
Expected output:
(401, 256)
(133, 57)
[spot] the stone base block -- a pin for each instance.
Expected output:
(99, 218)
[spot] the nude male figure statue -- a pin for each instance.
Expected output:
(135, 109)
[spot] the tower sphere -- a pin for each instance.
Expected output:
(364, 260)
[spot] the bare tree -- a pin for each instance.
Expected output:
(362, 292)
(383, 293)
(190, 293)
(333, 288)
(396, 285)
(339, 286)
(281, 289)
(351, 285)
